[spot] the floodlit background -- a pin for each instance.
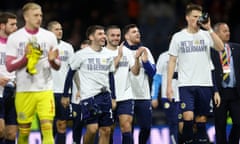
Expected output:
(157, 19)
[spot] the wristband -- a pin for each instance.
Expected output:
(57, 61)
(210, 31)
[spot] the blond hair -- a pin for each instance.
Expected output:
(30, 5)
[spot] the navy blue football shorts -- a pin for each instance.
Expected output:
(7, 106)
(196, 99)
(172, 110)
(125, 107)
(61, 112)
(143, 113)
(98, 109)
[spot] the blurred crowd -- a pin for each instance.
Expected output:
(157, 19)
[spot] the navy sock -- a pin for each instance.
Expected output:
(2, 141)
(111, 139)
(201, 135)
(234, 134)
(127, 138)
(173, 132)
(144, 135)
(60, 138)
(54, 128)
(77, 133)
(180, 140)
(77, 136)
(187, 133)
(9, 141)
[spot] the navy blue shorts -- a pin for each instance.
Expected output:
(114, 114)
(7, 106)
(76, 116)
(98, 109)
(125, 107)
(196, 99)
(61, 112)
(76, 111)
(143, 113)
(172, 111)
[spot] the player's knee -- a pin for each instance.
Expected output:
(126, 127)
(11, 135)
(188, 116)
(201, 119)
(11, 132)
(105, 131)
(92, 129)
(61, 126)
(2, 129)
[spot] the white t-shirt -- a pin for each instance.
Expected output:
(123, 88)
(193, 54)
(140, 83)
(16, 47)
(94, 68)
(65, 52)
(3, 69)
(162, 67)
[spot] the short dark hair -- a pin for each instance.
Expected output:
(190, 7)
(111, 27)
(4, 16)
(217, 25)
(92, 29)
(128, 27)
(51, 23)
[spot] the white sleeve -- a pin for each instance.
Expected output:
(75, 61)
(71, 52)
(211, 43)
(150, 57)
(173, 47)
(160, 63)
(11, 47)
(53, 41)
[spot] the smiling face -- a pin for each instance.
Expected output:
(98, 38)
(133, 36)
(113, 36)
